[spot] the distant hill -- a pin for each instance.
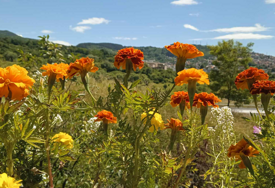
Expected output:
(6, 33)
(150, 53)
(91, 46)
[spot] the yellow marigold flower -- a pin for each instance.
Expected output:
(106, 117)
(134, 55)
(82, 67)
(15, 82)
(63, 139)
(8, 182)
(242, 147)
(188, 75)
(57, 71)
(156, 121)
(187, 51)
(174, 124)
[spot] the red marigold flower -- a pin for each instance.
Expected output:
(242, 148)
(106, 117)
(134, 55)
(263, 86)
(174, 124)
(205, 99)
(178, 97)
(245, 79)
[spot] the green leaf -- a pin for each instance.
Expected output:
(247, 163)
(67, 158)
(29, 134)
(34, 145)
(134, 84)
(24, 128)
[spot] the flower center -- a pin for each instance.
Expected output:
(7, 82)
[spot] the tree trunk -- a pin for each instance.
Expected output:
(229, 95)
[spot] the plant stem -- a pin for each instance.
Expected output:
(129, 67)
(172, 139)
(9, 149)
(47, 145)
(85, 81)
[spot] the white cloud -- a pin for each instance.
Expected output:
(125, 38)
(46, 31)
(194, 14)
(184, 2)
(257, 28)
(157, 26)
(190, 27)
(240, 36)
(80, 29)
(94, 21)
(269, 1)
(19, 35)
(62, 42)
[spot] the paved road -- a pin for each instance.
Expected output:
(244, 110)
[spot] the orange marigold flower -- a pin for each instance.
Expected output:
(59, 71)
(178, 97)
(15, 82)
(205, 99)
(106, 117)
(135, 55)
(187, 51)
(192, 74)
(82, 66)
(245, 79)
(263, 86)
(174, 124)
(242, 148)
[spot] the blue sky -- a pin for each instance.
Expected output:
(144, 22)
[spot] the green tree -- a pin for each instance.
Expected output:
(10, 56)
(231, 58)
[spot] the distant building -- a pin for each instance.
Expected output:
(161, 66)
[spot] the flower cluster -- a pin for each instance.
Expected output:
(15, 82)
(222, 119)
